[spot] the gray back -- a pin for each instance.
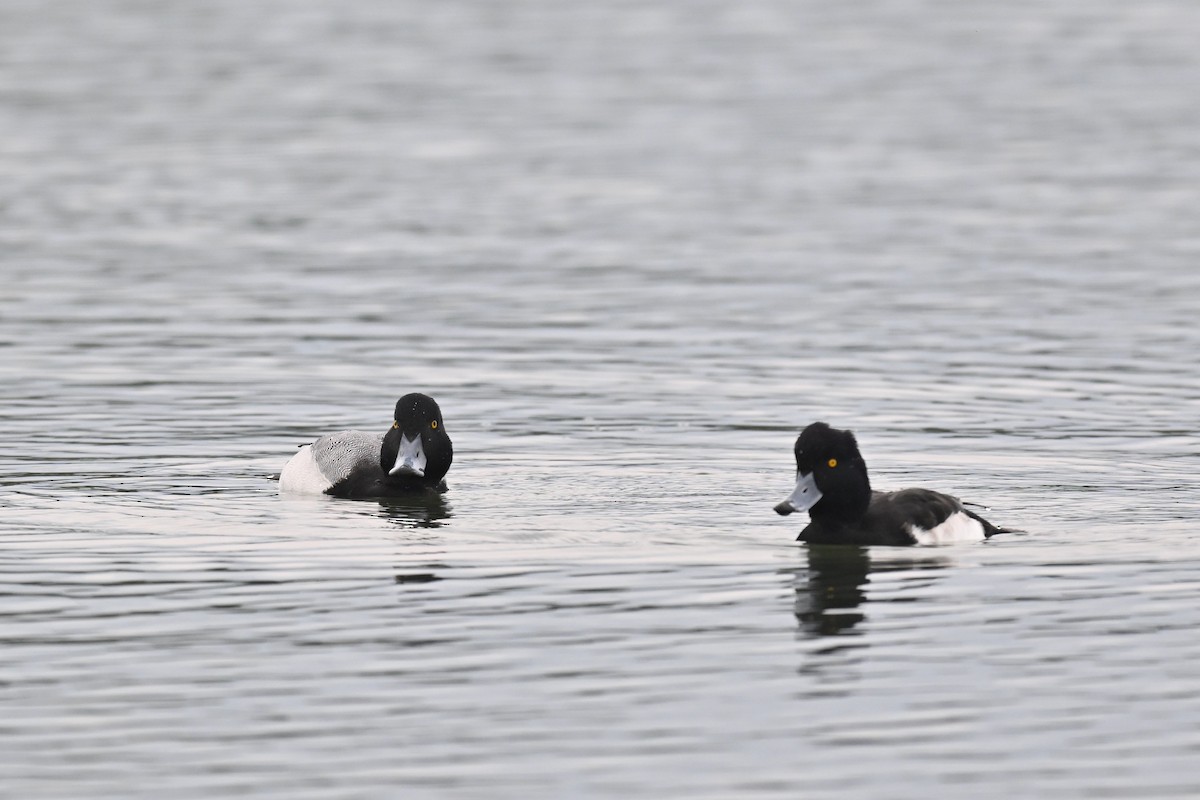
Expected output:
(345, 452)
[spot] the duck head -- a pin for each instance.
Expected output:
(416, 448)
(831, 475)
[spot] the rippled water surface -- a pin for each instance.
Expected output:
(631, 248)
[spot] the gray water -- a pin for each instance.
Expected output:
(631, 248)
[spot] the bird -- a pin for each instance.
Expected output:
(833, 487)
(412, 457)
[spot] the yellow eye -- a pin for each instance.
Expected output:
(395, 423)
(833, 462)
(433, 424)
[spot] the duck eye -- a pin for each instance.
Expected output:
(433, 424)
(833, 462)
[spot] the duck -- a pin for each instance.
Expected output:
(412, 457)
(833, 487)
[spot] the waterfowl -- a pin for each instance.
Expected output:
(412, 457)
(833, 487)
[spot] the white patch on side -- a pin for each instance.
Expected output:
(302, 476)
(958, 527)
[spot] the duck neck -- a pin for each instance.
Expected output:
(845, 502)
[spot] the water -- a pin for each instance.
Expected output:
(631, 249)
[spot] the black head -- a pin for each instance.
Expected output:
(416, 450)
(828, 460)
(415, 412)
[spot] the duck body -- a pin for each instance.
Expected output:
(904, 517)
(834, 488)
(412, 457)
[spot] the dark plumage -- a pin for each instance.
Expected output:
(412, 457)
(833, 486)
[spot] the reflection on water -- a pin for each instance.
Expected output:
(417, 577)
(633, 246)
(830, 595)
(426, 510)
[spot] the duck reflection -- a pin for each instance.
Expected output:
(831, 594)
(417, 511)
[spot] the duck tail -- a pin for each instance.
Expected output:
(989, 530)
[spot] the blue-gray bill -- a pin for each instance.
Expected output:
(410, 459)
(803, 497)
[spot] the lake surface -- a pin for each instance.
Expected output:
(631, 248)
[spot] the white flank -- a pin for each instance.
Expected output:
(958, 527)
(301, 475)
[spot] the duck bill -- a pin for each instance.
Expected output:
(410, 458)
(803, 497)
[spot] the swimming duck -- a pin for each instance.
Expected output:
(833, 487)
(412, 457)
